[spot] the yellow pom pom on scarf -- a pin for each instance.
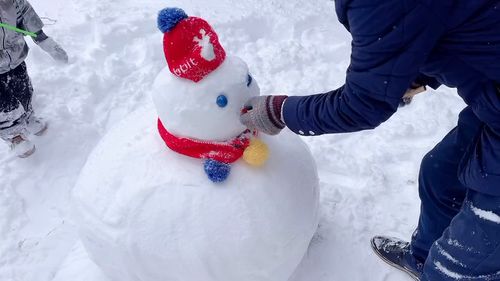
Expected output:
(256, 154)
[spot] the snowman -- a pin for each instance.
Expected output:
(187, 193)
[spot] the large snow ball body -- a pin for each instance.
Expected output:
(146, 213)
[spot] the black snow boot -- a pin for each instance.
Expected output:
(396, 253)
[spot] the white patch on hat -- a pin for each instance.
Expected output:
(207, 48)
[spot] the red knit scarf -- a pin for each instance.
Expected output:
(225, 152)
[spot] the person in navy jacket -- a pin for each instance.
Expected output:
(399, 45)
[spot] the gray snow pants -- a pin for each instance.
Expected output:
(16, 92)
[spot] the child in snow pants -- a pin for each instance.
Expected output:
(400, 44)
(17, 122)
(458, 236)
(15, 101)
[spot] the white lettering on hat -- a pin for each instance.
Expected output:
(207, 48)
(185, 67)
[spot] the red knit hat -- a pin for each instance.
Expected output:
(191, 46)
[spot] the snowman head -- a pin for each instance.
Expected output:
(201, 93)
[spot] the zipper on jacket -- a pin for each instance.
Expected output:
(3, 43)
(3, 37)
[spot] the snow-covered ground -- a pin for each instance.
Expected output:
(368, 179)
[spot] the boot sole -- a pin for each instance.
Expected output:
(411, 274)
(27, 154)
(42, 131)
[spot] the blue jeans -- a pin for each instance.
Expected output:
(458, 235)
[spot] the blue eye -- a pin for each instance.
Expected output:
(221, 101)
(249, 80)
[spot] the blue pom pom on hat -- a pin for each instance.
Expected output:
(168, 18)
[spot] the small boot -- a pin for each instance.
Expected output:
(396, 253)
(21, 146)
(36, 126)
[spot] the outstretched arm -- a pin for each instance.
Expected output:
(27, 18)
(391, 40)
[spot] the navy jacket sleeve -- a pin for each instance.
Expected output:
(391, 40)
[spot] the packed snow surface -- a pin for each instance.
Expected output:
(368, 180)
